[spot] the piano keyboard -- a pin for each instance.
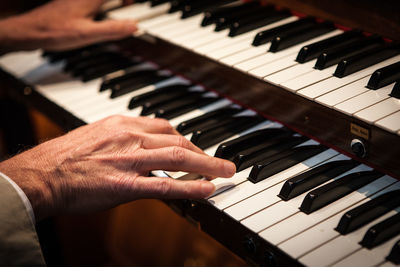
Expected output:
(316, 205)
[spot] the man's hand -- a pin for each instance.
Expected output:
(107, 163)
(61, 25)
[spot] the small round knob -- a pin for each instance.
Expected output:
(358, 148)
(250, 245)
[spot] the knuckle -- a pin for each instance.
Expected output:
(182, 142)
(115, 119)
(164, 125)
(178, 156)
(164, 187)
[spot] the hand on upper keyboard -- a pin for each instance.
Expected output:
(107, 163)
(60, 25)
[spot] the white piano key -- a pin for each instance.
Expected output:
(307, 79)
(324, 231)
(390, 123)
(203, 41)
(248, 189)
(154, 22)
(379, 110)
(332, 83)
(369, 257)
(300, 221)
(264, 199)
(21, 63)
(177, 28)
(269, 57)
(245, 54)
(281, 210)
(364, 100)
(340, 247)
(343, 93)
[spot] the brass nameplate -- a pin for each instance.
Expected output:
(359, 131)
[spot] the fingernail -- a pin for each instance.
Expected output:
(207, 188)
(230, 168)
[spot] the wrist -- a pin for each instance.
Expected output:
(32, 180)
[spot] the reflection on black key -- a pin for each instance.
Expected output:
(215, 134)
(267, 15)
(213, 15)
(255, 154)
(335, 55)
(365, 59)
(199, 123)
(167, 101)
(312, 51)
(134, 84)
(283, 41)
(162, 92)
(179, 107)
(384, 76)
(230, 149)
(100, 71)
(394, 255)
(396, 90)
(268, 35)
(314, 177)
(109, 83)
(381, 232)
(333, 191)
(225, 21)
(282, 161)
(369, 211)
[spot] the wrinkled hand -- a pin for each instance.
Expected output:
(61, 25)
(107, 163)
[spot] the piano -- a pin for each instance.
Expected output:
(303, 96)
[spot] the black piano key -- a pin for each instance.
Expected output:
(230, 149)
(365, 59)
(110, 83)
(266, 36)
(162, 92)
(215, 134)
(177, 5)
(255, 154)
(158, 2)
(394, 255)
(63, 55)
(283, 41)
(101, 71)
(167, 100)
(396, 90)
(282, 161)
(131, 85)
(88, 61)
(324, 195)
(384, 76)
(212, 16)
(91, 66)
(246, 24)
(310, 179)
(369, 211)
(333, 56)
(179, 107)
(225, 21)
(196, 7)
(199, 123)
(381, 232)
(312, 51)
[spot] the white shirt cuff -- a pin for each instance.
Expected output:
(23, 197)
